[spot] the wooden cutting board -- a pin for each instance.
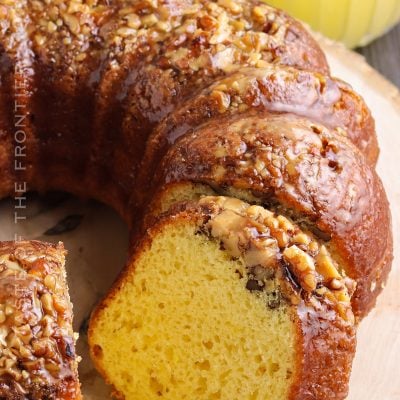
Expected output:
(97, 243)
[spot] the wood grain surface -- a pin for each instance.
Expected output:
(384, 55)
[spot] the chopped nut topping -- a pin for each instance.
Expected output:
(325, 265)
(259, 14)
(231, 5)
(263, 239)
(301, 264)
(62, 31)
(223, 100)
(335, 284)
(35, 317)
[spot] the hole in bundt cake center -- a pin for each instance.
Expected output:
(97, 241)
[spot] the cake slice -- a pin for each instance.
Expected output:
(37, 343)
(224, 300)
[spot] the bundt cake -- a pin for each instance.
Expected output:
(225, 300)
(168, 111)
(37, 344)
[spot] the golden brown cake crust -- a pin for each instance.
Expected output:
(325, 342)
(327, 348)
(38, 359)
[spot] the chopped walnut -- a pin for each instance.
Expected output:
(302, 265)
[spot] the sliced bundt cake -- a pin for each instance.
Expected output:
(149, 105)
(223, 300)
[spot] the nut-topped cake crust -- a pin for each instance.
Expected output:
(37, 343)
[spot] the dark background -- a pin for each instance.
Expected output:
(384, 55)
